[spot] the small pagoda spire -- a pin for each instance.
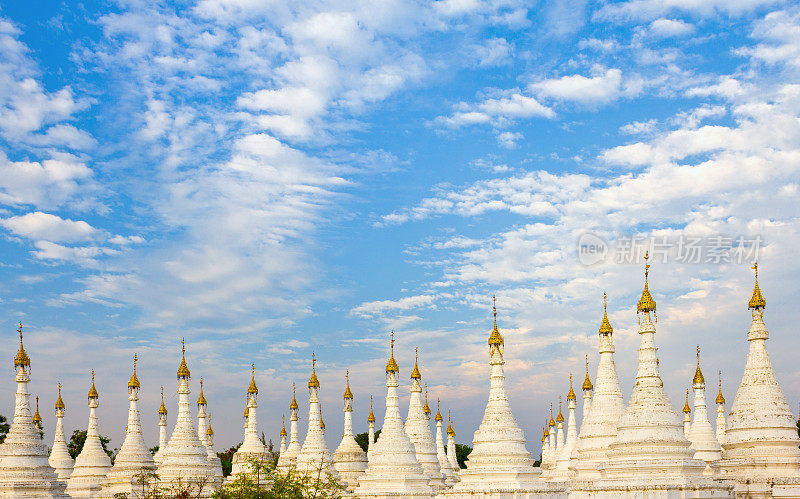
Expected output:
(21, 360)
(391, 364)
(415, 374)
(686, 408)
(93, 391)
(183, 369)
(283, 426)
(438, 412)
(698, 374)
(720, 399)
(560, 417)
(133, 383)
(59, 401)
(371, 417)
(201, 399)
(163, 408)
(757, 301)
(587, 383)
(426, 407)
(37, 418)
(294, 405)
(646, 302)
(605, 326)
(313, 381)
(571, 394)
(495, 338)
(253, 389)
(348, 394)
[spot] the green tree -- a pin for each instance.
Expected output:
(265, 482)
(4, 427)
(362, 439)
(226, 458)
(462, 451)
(78, 438)
(153, 450)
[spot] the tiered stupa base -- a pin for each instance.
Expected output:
(30, 483)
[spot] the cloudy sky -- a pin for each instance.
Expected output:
(270, 179)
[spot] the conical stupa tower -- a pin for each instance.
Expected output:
(202, 405)
(562, 472)
(451, 446)
(701, 434)
(24, 470)
(288, 458)
(371, 431)
(162, 430)
(393, 469)
(721, 423)
(441, 455)
(251, 447)
(499, 460)
(349, 459)
(282, 448)
(761, 442)
(60, 459)
(650, 455)
(687, 416)
(213, 459)
(185, 458)
(314, 457)
(133, 461)
(418, 429)
(606, 405)
(588, 387)
(92, 464)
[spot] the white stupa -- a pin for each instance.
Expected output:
(451, 447)
(561, 472)
(314, 458)
(282, 448)
(687, 416)
(393, 469)
(349, 459)
(721, 423)
(162, 430)
(185, 457)
(252, 447)
(371, 431)
(202, 422)
(761, 443)
(418, 429)
(92, 464)
(60, 459)
(602, 407)
(288, 458)
(441, 455)
(499, 462)
(213, 459)
(133, 461)
(650, 455)
(24, 470)
(701, 434)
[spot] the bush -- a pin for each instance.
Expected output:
(265, 482)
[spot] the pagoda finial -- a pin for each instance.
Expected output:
(253, 389)
(560, 417)
(22, 359)
(757, 301)
(134, 381)
(698, 374)
(92, 390)
(415, 374)
(313, 381)
(293, 405)
(183, 369)
(495, 338)
(571, 394)
(720, 399)
(686, 408)
(371, 417)
(391, 364)
(163, 408)
(605, 326)
(348, 394)
(59, 401)
(552, 421)
(646, 302)
(587, 383)
(425, 407)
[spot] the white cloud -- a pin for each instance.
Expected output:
(666, 28)
(509, 139)
(379, 308)
(638, 10)
(45, 226)
(45, 184)
(494, 52)
(499, 110)
(598, 89)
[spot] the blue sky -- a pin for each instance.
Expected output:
(269, 179)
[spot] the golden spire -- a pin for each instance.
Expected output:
(134, 381)
(93, 391)
(415, 374)
(646, 302)
(209, 431)
(246, 410)
(322, 424)
(546, 428)
(201, 400)
(495, 338)
(391, 364)
(720, 398)
(571, 394)
(438, 412)
(757, 301)
(605, 326)
(347, 393)
(183, 370)
(294, 405)
(283, 427)
(552, 421)
(560, 417)
(426, 408)
(59, 400)
(163, 408)
(253, 388)
(22, 359)
(698, 374)
(450, 430)
(686, 407)
(37, 418)
(544, 435)
(313, 381)
(371, 417)
(587, 383)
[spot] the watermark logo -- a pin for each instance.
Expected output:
(591, 249)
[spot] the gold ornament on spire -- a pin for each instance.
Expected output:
(37, 418)
(391, 364)
(201, 400)
(163, 408)
(209, 431)
(438, 412)
(686, 408)
(183, 369)
(283, 427)
(571, 394)
(313, 381)
(587, 383)
(450, 430)
(495, 338)
(546, 428)
(757, 301)
(134, 381)
(59, 401)
(253, 389)
(21, 359)
(348, 395)
(646, 302)
(698, 374)
(93, 391)
(605, 326)
(552, 421)
(293, 405)
(415, 374)
(720, 399)
(371, 417)
(426, 408)
(544, 435)
(560, 417)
